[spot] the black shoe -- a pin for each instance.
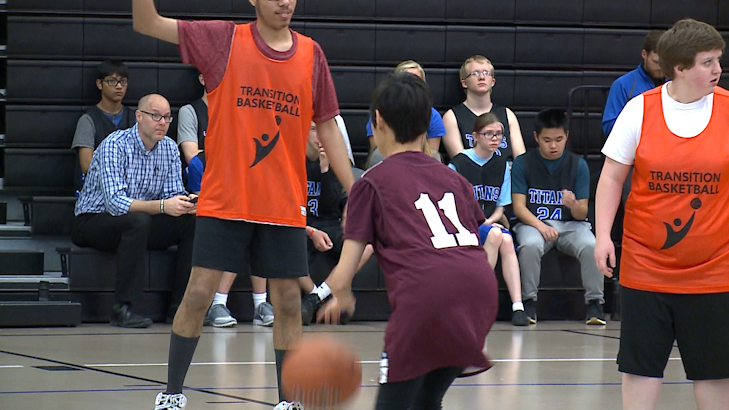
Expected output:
(519, 318)
(595, 315)
(123, 316)
(530, 308)
(309, 305)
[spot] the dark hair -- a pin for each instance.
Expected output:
(679, 45)
(650, 42)
(109, 67)
(404, 102)
(550, 118)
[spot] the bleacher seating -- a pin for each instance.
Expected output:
(541, 50)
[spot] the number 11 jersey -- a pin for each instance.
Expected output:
(423, 220)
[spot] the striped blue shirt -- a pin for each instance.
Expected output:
(122, 170)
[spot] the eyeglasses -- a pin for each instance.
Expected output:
(477, 74)
(157, 117)
(112, 82)
(490, 134)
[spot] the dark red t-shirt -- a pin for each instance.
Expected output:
(441, 288)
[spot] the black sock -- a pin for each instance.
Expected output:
(279, 359)
(181, 351)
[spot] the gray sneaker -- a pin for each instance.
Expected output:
(263, 315)
(219, 316)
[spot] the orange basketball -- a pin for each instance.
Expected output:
(320, 372)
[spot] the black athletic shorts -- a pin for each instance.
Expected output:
(652, 322)
(271, 251)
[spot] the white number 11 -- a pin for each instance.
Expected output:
(441, 238)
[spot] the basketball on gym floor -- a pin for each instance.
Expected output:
(320, 372)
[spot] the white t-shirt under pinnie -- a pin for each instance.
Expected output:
(684, 120)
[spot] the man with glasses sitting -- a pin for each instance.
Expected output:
(104, 118)
(478, 79)
(133, 200)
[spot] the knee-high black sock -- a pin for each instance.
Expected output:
(181, 351)
(279, 359)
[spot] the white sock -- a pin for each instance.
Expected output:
(517, 306)
(259, 298)
(220, 298)
(322, 291)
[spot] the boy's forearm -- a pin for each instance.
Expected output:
(340, 280)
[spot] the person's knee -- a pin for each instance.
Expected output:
(138, 222)
(198, 293)
(494, 237)
(507, 241)
(286, 296)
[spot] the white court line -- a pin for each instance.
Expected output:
(11, 366)
(600, 359)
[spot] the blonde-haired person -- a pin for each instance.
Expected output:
(436, 130)
(675, 250)
(477, 78)
(490, 176)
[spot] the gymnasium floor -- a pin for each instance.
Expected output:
(552, 365)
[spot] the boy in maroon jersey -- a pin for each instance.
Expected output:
(423, 222)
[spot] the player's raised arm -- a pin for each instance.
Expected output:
(148, 21)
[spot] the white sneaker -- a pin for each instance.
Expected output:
(285, 405)
(166, 401)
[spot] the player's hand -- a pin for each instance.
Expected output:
(548, 232)
(605, 255)
(321, 240)
(568, 198)
(323, 160)
(336, 310)
(498, 225)
(179, 205)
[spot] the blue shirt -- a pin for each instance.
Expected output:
(194, 174)
(519, 182)
(122, 170)
(436, 129)
(505, 193)
(623, 89)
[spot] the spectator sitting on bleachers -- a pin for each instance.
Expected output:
(490, 176)
(478, 79)
(325, 206)
(192, 124)
(436, 130)
(648, 75)
(134, 201)
(107, 116)
(550, 193)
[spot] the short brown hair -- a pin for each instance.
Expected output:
(485, 120)
(650, 42)
(678, 46)
(478, 59)
(408, 64)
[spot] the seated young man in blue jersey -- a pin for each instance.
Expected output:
(550, 190)
(422, 220)
(490, 176)
(325, 204)
(436, 130)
